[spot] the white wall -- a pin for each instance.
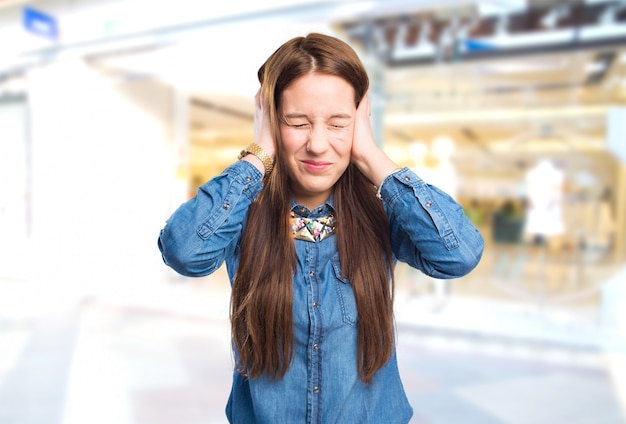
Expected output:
(13, 189)
(103, 165)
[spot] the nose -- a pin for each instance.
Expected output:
(318, 140)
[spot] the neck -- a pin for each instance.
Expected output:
(311, 201)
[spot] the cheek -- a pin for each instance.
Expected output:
(292, 139)
(343, 142)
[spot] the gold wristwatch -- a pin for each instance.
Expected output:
(257, 151)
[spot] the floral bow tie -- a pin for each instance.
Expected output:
(312, 229)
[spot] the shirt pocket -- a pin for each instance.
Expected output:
(345, 294)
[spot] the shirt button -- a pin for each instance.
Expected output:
(312, 274)
(248, 179)
(316, 346)
(303, 210)
(226, 206)
(429, 204)
(316, 389)
(316, 305)
(407, 178)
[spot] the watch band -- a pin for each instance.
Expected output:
(257, 151)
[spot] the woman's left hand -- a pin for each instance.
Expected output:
(366, 154)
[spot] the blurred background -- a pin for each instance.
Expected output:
(113, 112)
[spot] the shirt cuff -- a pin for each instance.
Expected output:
(245, 169)
(379, 193)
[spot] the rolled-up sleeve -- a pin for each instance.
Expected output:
(203, 231)
(429, 230)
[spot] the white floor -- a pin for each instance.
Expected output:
(73, 355)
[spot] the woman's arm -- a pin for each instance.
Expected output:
(202, 231)
(429, 229)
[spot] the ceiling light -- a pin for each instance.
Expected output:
(601, 32)
(351, 10)
(497, 8)
(595, 67)
(522, 67)
(552, 18)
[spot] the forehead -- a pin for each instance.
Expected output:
(318, 91)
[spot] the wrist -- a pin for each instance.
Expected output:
(260, 154)
(376, 167)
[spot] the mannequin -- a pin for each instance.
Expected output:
(544, 188)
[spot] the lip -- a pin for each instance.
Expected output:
(316, 166)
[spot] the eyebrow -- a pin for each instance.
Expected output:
(302, 115)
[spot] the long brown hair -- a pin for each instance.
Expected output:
(262, 296)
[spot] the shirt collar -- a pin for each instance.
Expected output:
(327, 208)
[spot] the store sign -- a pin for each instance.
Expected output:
(481, 30)
(40, 23)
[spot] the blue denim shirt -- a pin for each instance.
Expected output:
(429, 231)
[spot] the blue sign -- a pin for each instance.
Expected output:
(477, 46)
(40, 23)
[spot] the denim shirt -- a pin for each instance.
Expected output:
(429, 231)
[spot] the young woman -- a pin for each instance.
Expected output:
(310, 222)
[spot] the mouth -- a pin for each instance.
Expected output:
(316, 166)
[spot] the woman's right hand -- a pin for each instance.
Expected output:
(262, 128)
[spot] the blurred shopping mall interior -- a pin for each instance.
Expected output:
(113, 112)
